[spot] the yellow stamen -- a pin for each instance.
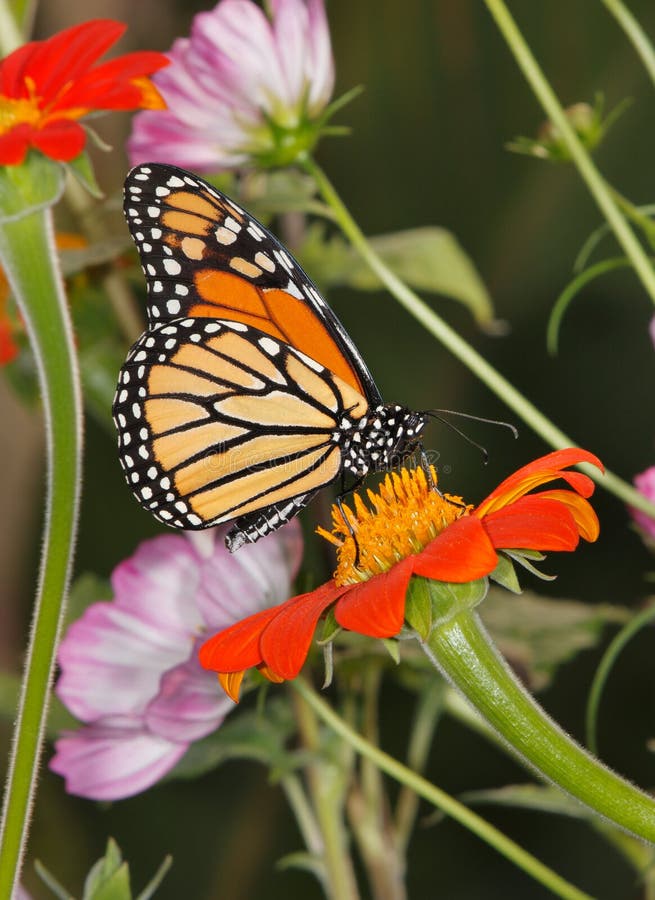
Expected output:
(403, 517)
(17, 112)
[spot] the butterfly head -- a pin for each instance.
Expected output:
(382, 439)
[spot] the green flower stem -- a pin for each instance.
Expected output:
(433, 323)
(607, 662)
(635, 34)
(439, 798)
(326, 789)
(462, 651)
(10, 35)
(429, 708)
(598, 188)
(28, 255)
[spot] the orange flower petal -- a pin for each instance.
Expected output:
(236, 648)
(533, 523)
(546, 468)
(463, 552)
(377, 607)
(285, 641)
(231, 684)
(583, 513)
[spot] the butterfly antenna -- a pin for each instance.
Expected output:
(438, 413)
(469, 440)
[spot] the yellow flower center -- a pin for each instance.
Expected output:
(17, 112)
(405, 514)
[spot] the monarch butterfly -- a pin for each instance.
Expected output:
(245, 395)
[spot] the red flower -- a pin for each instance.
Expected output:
(414, 530)
(46, 86)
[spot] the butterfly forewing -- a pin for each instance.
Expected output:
(203, 256)
(218, 420)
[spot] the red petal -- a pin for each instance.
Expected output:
(584, 515)
(532, 523)
(67, 55)
(237, 647)
(8, 349)
(14, 145)
(62, 140)
(111, 85)
(463, 552)
(549, 466)
(377, 606)
(12, 82)
(286, 640)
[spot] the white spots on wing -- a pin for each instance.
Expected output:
(181, 290)
(293, 289)
(173, 307)
(232, 224)
(269, 346)
(265, 261)
(255, 231)
(161, 191)
(175, 182)
(172, 266)
(154, 211)
(225, 236)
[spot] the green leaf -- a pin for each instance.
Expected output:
(505, 574)
(418, 606)
(87, 588)
(81, 169)
(541, 798)
(156, 880)
(99, 254)
(266, 194)
(539, 634)
(109, 878)
(51, 882)
(427, 259)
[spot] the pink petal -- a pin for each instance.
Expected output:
(260, 575)
(109, 762)
(112, 661)
(190, 704)
(158, 584)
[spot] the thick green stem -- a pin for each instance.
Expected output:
(433, 323)
(29, 258)
(598, 188)
(440, 799)
(463, 652)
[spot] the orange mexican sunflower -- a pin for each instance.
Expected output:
(411, 529)
(47, 86)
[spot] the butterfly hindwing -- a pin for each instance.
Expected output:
(219, 421)
(205, 257)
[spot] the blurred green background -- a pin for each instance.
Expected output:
(442, 98)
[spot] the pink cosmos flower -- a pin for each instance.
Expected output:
(645, 484)
(129, 666)
(242, 86)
